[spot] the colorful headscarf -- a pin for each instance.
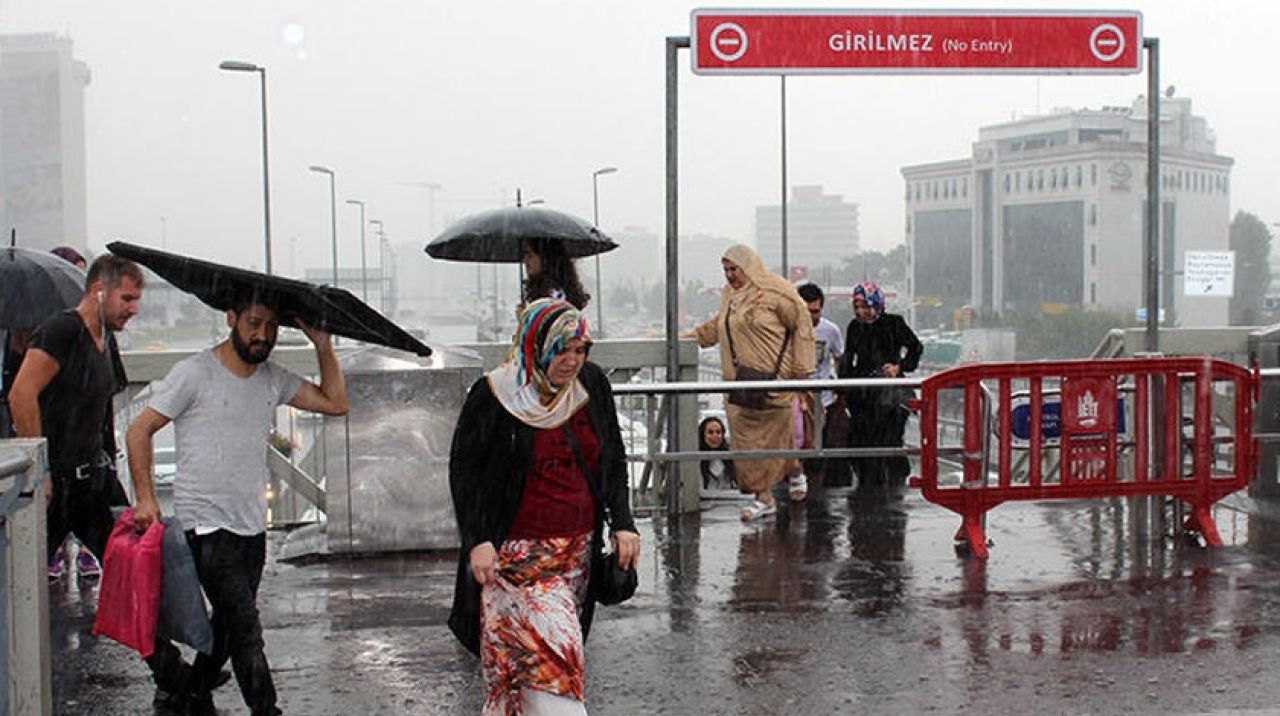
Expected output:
(546, 325)
(869, 292)
(521, 382)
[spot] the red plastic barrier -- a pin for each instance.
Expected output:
(1105, 435)
(132, 575)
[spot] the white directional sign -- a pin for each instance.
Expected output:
(1209, 273)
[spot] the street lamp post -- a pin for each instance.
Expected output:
(238, 66)
(382, 265)
(333, 215)
(595, 219)
(364, 266)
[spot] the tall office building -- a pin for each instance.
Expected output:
(42, 145)
(822, 230)
(1049, 213)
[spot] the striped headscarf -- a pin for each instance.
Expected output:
(870, 292)
(521, 383)
(546, 325)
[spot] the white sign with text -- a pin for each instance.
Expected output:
(1209, 273)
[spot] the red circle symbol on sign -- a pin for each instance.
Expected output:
(1106, 42)
(729, 41)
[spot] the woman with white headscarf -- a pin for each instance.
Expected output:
(762, 323)
(529, 521)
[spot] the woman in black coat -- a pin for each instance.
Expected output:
(530, 523)
(881, 345)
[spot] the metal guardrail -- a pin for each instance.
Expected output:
(807, 385)
(813, 385)
(25, 676)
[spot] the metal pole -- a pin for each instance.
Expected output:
(1152, 46)
(673, 46)
(785, 273)
(595, 221)
(364, 266)
(266, 172)
(333, 225)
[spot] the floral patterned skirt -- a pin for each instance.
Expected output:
(530, 636)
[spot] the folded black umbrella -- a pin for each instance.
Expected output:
(330, 309)
(35, 285)
(500, 235)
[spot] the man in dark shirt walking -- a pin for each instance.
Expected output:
(63, 392)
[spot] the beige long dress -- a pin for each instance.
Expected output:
(760, 314)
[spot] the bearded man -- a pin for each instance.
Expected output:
(222, 401)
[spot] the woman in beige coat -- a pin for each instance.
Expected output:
(762, 322)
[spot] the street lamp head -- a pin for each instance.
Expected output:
(355, 202)
(238, 66)
(320, 169)
(604, 170)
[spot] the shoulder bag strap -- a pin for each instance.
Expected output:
(586, 471)
(777, 365)
(728, 334)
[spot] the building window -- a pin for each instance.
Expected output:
(1079, 176)
(1053, 177)
(1017, 181)
(1093, 218)
(1093, 292)
(1006, 182)
(964, 187)
(1039, 180)
(1093, 254)
(1093, 175)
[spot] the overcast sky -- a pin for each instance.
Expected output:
(485, 97)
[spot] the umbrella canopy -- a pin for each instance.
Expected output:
(499, 236)
(35, 285)
(330, 309)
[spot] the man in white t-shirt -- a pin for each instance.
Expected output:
(830, 344)
(222, 402)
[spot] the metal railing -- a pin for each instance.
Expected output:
(25, 675)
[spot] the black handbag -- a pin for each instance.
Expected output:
(751, 399)
(609, 583)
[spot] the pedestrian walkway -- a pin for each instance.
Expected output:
(827, 608)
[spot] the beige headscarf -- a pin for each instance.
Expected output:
(758, 274)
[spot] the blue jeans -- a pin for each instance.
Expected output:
(230, 569)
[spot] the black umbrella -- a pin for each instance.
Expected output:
(330, 309)
(35, 285)
(499, 236)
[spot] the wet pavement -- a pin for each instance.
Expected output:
(831, 607)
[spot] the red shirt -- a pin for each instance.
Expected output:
(557, 501)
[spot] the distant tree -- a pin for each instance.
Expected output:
(1073, 334)
(887, 269)
(1251, 241)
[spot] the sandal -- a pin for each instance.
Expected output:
(757, 509)
(799, 487)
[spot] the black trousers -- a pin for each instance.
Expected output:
(230, 568)
(877, 425)
(83, 507)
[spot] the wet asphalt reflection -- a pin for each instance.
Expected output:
(835, 605)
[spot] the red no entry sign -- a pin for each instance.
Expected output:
(943, 41)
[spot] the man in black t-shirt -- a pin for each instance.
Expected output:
(63, 392)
